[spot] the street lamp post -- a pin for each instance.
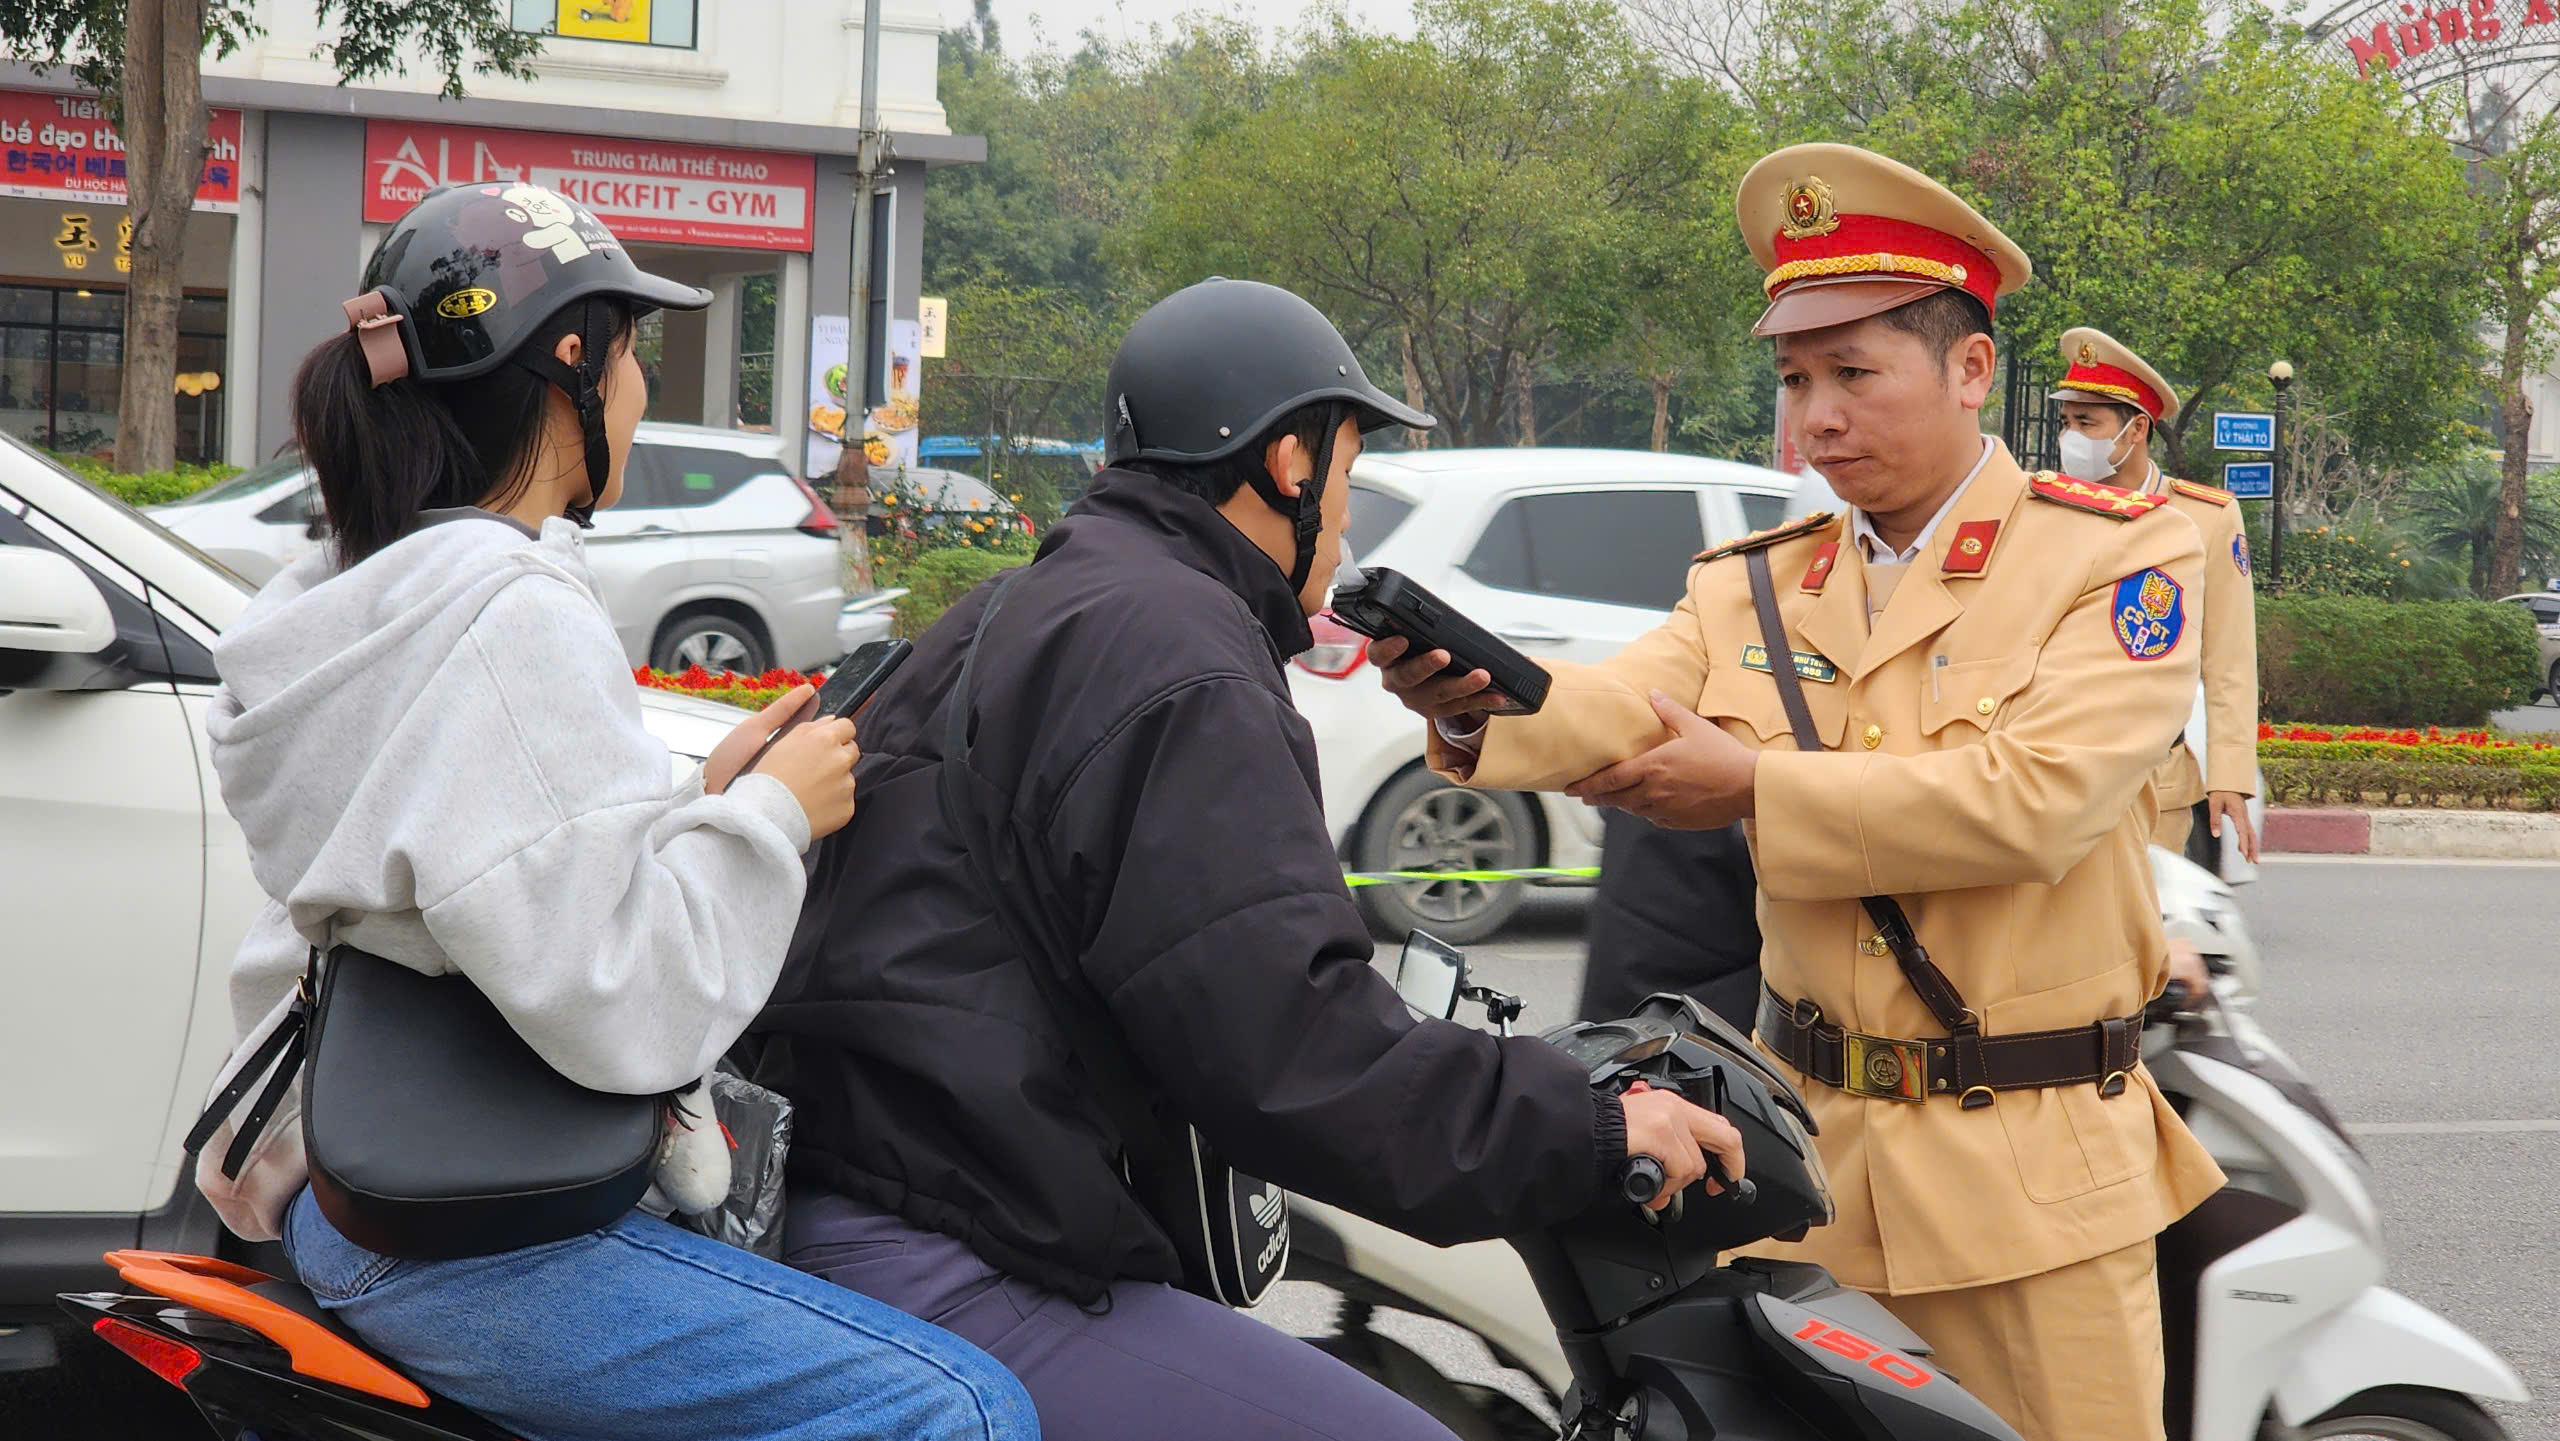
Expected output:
(853, 467)
(2282, 374)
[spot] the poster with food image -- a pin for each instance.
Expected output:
(888, 431)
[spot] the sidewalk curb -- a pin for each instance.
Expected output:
(2430, 834)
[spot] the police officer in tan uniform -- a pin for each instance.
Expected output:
(2112, 403)
(1991, 665)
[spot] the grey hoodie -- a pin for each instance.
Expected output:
(437, 756)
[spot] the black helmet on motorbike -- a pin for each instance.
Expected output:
(463, 279)
(1212, 367)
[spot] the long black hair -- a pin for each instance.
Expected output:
(384, 453)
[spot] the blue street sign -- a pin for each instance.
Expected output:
(2244, 430)
(2250, 479)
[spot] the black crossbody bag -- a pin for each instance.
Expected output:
(1230, 1231)
(432, 1130)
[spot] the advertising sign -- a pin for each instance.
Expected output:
(888, 433)
(641, 189)
(624, 20)
(61, 147)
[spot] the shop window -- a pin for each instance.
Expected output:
(668, 23)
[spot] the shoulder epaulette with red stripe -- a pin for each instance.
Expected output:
(2205, 493)
(2110, 501)
(1763, 539)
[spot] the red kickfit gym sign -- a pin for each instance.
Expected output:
(641, 189)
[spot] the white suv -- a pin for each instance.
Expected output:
(718, 555)
(124, 885)
(1566, 554)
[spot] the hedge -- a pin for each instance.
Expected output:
(158, 487)
(2394, 663)
(2473, 769)
(937, 579)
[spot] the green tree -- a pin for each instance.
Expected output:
(145, 57)
(1465, 189)
(2519, 188)
(2458, 510)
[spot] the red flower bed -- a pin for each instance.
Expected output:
(2431, 736)
(696, 679)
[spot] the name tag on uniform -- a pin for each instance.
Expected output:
(1808, 665)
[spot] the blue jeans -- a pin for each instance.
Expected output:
(646, 1332)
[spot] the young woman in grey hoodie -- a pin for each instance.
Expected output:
(428, 735)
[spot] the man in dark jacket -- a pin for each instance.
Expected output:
(1144, 796)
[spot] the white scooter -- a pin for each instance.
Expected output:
(2278, 1326)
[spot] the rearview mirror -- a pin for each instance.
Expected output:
(1430, 975)
(49, 606)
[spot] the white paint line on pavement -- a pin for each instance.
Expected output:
(2477, 862)
(2450, 1128)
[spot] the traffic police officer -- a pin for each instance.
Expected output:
(1992, 663)
(2112, 403)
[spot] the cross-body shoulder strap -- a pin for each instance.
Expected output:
(1934, 989)
(1089, 1031)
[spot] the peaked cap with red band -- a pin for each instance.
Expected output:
(1844, 234)
(2103, 371)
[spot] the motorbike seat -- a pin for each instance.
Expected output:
(281, 1311)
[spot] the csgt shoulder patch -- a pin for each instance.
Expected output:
(2110, 501)
(1763, 539)
(2150, 614)
(2205, 493)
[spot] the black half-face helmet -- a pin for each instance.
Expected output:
(1211, 367)
(466, 277)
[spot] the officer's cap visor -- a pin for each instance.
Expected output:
(1821, 303)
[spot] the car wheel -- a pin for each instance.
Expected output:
(713, 641)
(1420, 822)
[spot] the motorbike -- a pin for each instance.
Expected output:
(2276, 1323)
(1661, 1340)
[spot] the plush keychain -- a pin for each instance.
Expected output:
(692, 1174)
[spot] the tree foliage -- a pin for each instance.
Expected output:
(145, 57)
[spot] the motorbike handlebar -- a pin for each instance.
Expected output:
(1640, 1179)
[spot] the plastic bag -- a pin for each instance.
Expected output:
(758, 1123)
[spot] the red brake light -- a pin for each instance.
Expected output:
(1339, 650)
(169, 1360)
(822, 521)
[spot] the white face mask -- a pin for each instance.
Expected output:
(2087, 457)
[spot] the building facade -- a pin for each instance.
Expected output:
(717, 141)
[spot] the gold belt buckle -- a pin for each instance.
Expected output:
(1884, 1069)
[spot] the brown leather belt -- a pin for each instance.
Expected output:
(1969, 1065)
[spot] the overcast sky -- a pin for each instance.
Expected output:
(1060, 21)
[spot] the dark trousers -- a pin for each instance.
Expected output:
(1674, 912)
(1149, 1362)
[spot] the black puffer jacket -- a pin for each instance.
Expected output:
(1164, 807)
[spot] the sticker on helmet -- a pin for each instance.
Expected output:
(553, 219)
(464, 304)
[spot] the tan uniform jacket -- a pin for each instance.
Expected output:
(1997, 796)
(2230, 621)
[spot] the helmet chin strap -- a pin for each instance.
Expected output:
(584, 385)
(1306, 511)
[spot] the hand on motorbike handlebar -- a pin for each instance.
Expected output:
(1677, 1134)
(2187, 968)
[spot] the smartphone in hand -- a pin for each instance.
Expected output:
(846, 692)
